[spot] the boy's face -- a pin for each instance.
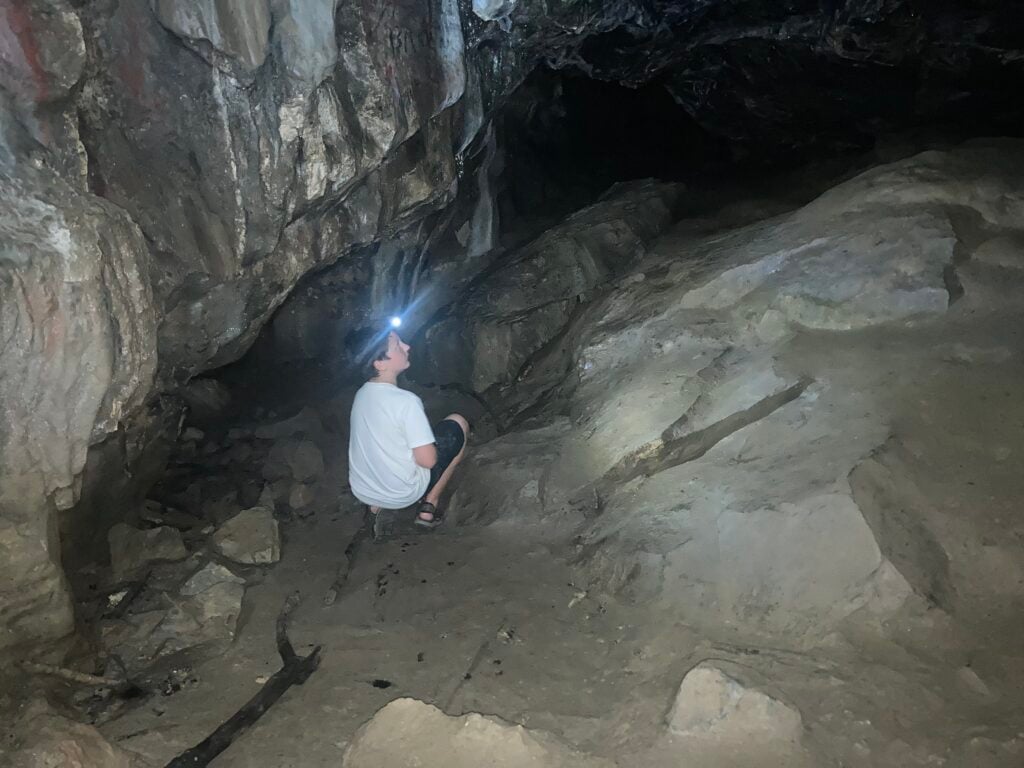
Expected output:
(398, 356)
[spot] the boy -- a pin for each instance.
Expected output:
(395, 458)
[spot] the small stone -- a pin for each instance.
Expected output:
(250, 537)
(712, 704)
(408, 732)
(306, 461)
(131, 549)
(301, 496)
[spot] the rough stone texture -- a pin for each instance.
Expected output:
(301, 496)
(306, 461)
(72, 287)
(531, 295)
(683, 400)
(49, 740)
(131, 549)
(411, 734)
(250, 537)
(291, 458)
(711, 704)
(282, 121)
(253, 142)
(210, 575)
(239, 30)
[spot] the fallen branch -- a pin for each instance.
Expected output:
(295, 670)
(71, 675)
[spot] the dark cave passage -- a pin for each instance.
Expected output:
(567, 138)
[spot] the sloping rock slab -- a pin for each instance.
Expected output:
(411, 734)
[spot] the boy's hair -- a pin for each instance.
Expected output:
(371, 348)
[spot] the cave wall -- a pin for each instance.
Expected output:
(170, 170)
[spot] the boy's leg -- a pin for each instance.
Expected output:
(437, 486)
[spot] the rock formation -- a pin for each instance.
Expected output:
(171, 170)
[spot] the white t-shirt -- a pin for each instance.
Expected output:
(386, 424)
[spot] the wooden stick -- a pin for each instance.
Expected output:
(295, 670)
(70, 675)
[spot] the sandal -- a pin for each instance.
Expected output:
(436, 516)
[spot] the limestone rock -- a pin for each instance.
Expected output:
(46, 739)
(239, 29)
(131, 549)
(301, 496)
(206, 577)
(306, 461)
(300, 460)
(489, 10)
(711, 704)
(204, 614)
(531, 297)
(90, 301)
(250, 537)
(411, 734)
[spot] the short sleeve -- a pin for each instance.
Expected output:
(417, 427)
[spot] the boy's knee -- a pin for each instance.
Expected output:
(461, 421)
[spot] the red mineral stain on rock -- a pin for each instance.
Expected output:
(30, 78)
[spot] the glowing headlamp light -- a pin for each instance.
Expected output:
(395, 322)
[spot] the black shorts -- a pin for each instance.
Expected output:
(449, 439)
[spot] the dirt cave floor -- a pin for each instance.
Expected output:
(490, 618)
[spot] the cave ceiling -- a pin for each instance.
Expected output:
(772, 76)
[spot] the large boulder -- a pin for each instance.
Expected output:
(709, 460)
(411, 734)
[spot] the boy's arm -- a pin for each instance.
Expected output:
(425, 455)
(420, 436)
